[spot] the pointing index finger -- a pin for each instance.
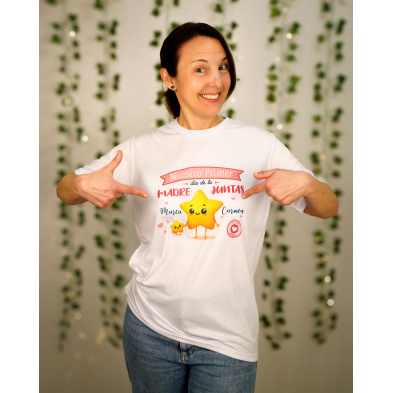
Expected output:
(131, 190)
(257, 188)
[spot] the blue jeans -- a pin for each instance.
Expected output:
(157, 364)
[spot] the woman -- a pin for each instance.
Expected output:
(200, 189)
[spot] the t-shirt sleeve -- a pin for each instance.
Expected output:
(123, 171)
(282, 158)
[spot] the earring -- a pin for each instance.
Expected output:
(172, 87)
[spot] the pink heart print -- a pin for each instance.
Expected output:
(233, 198)
(168, 221)
(241, 215)
(166, 203)
(165, 231)
(160, 225)
(222, 216)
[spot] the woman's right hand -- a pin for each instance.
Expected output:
(101, 189)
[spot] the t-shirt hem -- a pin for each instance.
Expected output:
(157, 329)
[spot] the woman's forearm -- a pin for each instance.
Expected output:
(321, 200)
(66, 190)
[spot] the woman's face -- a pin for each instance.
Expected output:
(202, 69)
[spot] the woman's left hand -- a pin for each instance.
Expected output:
(284, 186)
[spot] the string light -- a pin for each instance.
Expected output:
(330, 302)
(240, 57)
(325, 257)
(323, 156)
(318, 239)
(77, 355)
(233, 99)
(68, 275)
(67, 101)
(77, 316)
(285, 9)
(277, 59)
(82, 335)
(152, 125)
(289, 36)
(279, 126)
(328, 279)
(85, 138)
(72, 33)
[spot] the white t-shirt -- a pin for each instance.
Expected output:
(195, 290)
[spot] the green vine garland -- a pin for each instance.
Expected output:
(327, 163)
(279, 83)
(70, 133)
(109, 243)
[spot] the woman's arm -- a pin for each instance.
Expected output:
(320, 198)
(67, 190)
(99, 187)
(286, 186)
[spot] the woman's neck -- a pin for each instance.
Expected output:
(192, 123)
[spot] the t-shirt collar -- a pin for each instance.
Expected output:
(200, 133)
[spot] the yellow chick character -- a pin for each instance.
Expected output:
(200, 212)
(177, 228)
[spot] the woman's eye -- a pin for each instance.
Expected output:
(224, 65)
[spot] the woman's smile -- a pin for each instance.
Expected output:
(211, 97)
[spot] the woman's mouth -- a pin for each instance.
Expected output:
(211, 97)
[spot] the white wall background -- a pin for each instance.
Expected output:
(301, 366)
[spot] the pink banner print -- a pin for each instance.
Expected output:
(202, 172)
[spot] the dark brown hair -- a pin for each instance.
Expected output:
(170, 55)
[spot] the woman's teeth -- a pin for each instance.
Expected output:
(210, 97)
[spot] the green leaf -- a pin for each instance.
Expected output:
(340, 26)
(275, 12)
(265, 320)
(315, 133)
(218, 8)
(325, 7)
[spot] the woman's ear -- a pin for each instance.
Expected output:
(166, 78)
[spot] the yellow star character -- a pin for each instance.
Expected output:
(177, 228)
(200, 212)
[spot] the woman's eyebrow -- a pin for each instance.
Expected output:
(206, 60)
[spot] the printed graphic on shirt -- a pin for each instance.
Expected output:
(202, 208)
(200, 212)
(177, 228)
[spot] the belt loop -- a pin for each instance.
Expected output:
(183, 346)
